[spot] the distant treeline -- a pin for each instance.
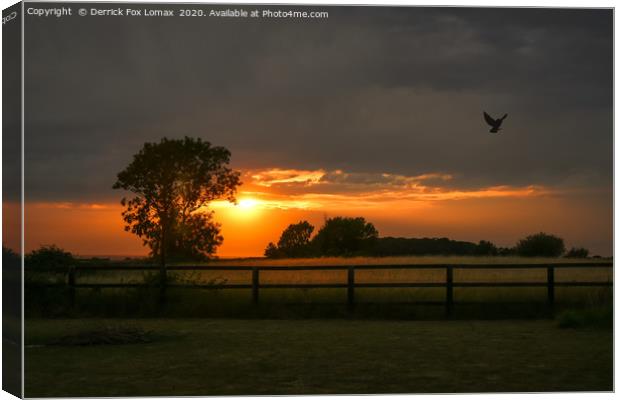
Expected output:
(340, 237)
(398, 246)
(344, 236)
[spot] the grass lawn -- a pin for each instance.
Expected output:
(242, 357)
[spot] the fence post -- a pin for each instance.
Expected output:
(255, 285)
(71, 284)
(550, 287)
(449, 290)
(351, 288)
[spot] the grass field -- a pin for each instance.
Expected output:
(316, 345)
(242, 357)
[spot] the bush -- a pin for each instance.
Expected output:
(44, 267)
(486, 248)
(577, 252)
(391, 246)
(506, 251)
(49, 257)
(540, 245)
(10, 258)
(11, 282)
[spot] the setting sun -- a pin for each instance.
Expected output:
(247, 204)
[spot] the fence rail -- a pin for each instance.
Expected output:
(449, 284)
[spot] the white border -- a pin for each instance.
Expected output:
(458, 3)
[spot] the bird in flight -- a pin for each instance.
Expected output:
(495, 123)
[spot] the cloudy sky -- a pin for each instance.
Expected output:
(373, 111)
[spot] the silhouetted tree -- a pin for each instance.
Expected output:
(540, 245)
(577, 252)
(174, 181)
(391, 246)
(295, 239)
(12, 280)
(9, 257)
(486, 248)
(506, 251)
(294, 242)
(49, 257)
(272, 251)
(345, 236)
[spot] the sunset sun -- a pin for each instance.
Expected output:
(247, 204)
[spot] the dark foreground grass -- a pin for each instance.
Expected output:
(242, 357)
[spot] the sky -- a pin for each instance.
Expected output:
(373, 112)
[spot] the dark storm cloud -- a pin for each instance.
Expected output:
(369, 90)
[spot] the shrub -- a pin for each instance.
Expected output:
(506, 251)
(49, 257)
(44, 267)
(577, 252)
(486, 248)
(540, 245)
(10, 258)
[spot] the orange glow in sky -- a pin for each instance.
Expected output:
(410, 206)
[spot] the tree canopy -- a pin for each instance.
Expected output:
(398, 246)
(52, 257)
(173, 182)
(540, 245)
(294, 242)
(345, 236)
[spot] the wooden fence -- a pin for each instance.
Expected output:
(351, 285)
